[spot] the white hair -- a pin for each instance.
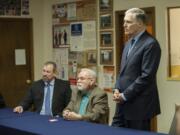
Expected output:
(90, 72)
(138, 13)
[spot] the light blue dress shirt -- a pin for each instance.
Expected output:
(51, 85)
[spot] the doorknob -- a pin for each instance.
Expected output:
(28, 81)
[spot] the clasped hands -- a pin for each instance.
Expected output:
(68, 115)
(117, 96)
(18, 109)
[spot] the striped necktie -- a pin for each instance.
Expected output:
(47, 101)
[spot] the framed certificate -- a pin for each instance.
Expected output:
(105, 5)
(106, 56)
(173, 43)
(105, 21)
(106, 38)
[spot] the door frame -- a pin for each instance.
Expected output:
(29, 58)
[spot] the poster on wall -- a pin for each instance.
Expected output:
(75, 62)
(76, 38)
(106, 56)
(89, 31)
(76, 29)
(59, 13)
(108, 78)
(72, 67)
(60, 56)
(64, 12)
(63, 72)
(61, 36)
(14, 7)
(25, 7)
(10, 7)
(71, 11)
(83, 36)
(91, 57)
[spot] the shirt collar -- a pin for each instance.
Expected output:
(85, 93)
(138, 35)
(50, 83)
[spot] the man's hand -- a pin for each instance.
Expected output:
(18, 109)
(71, 115)
(65, 114)
(117, 96)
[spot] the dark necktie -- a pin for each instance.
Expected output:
(130, 46)
(47, 101)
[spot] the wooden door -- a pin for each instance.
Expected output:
(121, 39)
(15, 72)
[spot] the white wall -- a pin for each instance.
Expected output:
(40, 11)
(168, 90)
(36, 10)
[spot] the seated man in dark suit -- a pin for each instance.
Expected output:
(2, 103)
(88, 102)
(49, 95)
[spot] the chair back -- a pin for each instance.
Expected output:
(175, 125)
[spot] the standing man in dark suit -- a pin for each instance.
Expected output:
(136, 91)
(49, 96)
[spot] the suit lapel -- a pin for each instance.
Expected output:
(41, 92)
(54, 94)
(92, 94)
(123, 61)
(138, 44)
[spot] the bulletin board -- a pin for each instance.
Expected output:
(74, 37)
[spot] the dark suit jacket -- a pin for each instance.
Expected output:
(35, 96)
(97, 109)
(137, 79)
(2, 103)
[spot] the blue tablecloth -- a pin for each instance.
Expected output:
(32, 123)
(8, 113)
